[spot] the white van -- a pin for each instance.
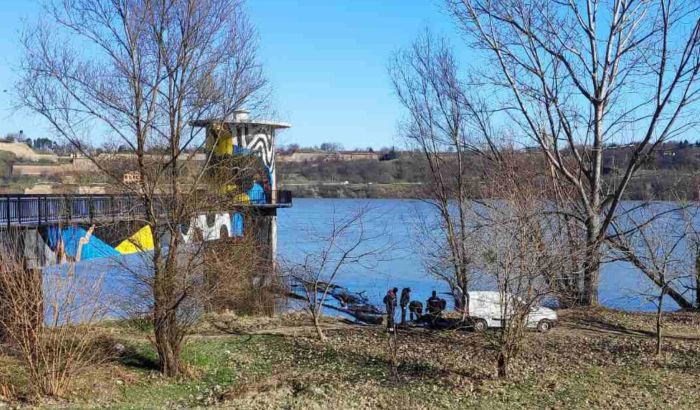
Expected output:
(486, 310)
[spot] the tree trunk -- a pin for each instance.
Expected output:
(659, 312)
(502, 365)
(166, 328)
(393, 357)
(697, 279)
(679, 298)
(461, 300)
(319, 330)
(591, 265)
(168, 342)
(465, 306)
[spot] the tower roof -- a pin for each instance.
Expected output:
(239, 117)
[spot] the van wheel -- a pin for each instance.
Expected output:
(480, 325)
(544, 326)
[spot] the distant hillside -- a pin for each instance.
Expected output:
(6, 160)
(25, 152)
(672, 172)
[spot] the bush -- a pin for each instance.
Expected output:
(49, 329)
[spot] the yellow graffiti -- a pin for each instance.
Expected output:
(220, 141)
(239, 196)
(141, 241)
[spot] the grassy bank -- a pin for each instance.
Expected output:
(592, 360)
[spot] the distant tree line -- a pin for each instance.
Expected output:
(664, 175)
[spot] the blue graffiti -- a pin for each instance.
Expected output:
(237, 224)
(93, 249)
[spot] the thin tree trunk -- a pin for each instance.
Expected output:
(465, 306)
(317, 326)
(502, 365)
(659, 313)
(393, 359)
(697, 279)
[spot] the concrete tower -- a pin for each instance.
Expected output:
(242, 135)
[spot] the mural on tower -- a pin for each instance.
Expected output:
(79, 243)
(243, 165)
(261, 144)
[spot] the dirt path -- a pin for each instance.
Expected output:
(678, 326)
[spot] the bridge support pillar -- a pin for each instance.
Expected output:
(21, 291)
(35, 252)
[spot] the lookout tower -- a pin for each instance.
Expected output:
(240, 135)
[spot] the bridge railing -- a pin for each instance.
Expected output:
(23, 210)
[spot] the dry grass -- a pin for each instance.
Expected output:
(598, 359)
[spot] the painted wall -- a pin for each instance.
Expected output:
(55, 245)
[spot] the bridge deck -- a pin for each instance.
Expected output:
(37, 210)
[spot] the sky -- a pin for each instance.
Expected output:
(326, 61)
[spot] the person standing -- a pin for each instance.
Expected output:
(390, 304)
(434, 305)
(405, 299)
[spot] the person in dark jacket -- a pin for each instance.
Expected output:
(434, 305)
(390, 304)
(416, 309)
(405, 298)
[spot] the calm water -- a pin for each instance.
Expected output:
(622, 286)
(391, 221)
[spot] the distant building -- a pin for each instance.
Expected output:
(131, 177)
(357, 155)
(319, 156)
(303, 156)
(38, 170)
(76, 164)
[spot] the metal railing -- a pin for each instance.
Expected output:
(34, 210)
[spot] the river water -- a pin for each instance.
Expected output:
(393, 222)
(390, 222)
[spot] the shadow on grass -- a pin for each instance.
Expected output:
(137, 358)
(604, 326)
(357, 365)
(601, 325)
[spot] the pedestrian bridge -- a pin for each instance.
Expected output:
(18, 211)
(52, 229)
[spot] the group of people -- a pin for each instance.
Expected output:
(435, 306)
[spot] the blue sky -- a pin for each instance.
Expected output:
(326, 60)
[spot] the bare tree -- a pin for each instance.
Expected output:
(577, 75)
(690, 213)
(346, 243)
(519, 245)
(653, 239)
(448, 126)
(139, 73)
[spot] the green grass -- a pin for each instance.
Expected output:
(217, 364)
(329, 377)
(567, 368)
